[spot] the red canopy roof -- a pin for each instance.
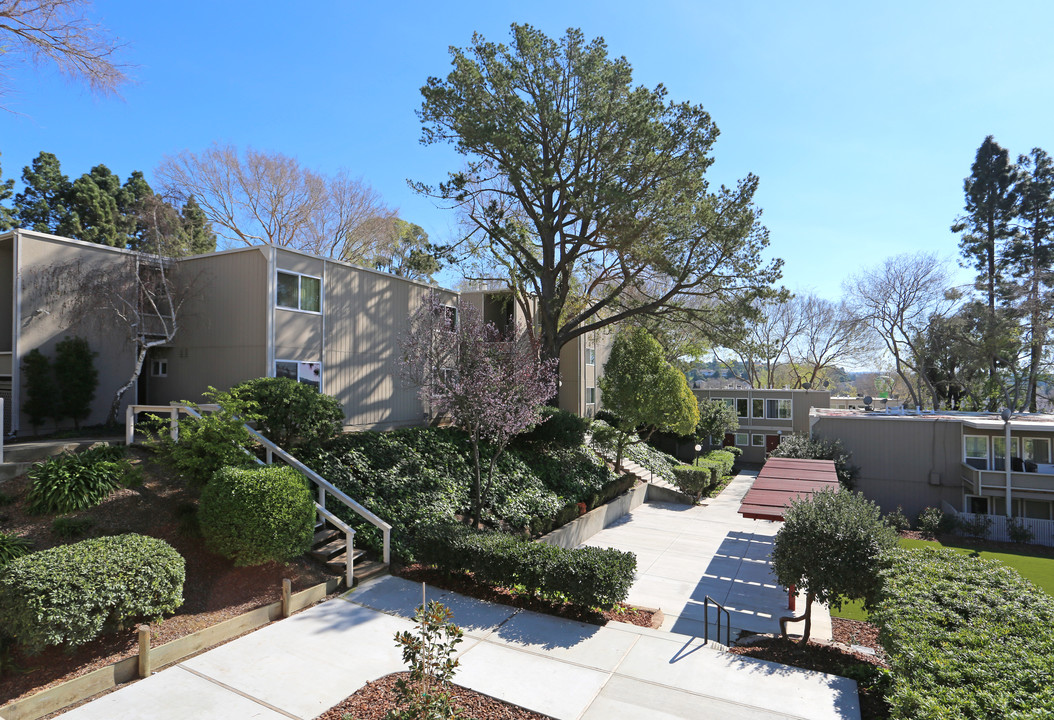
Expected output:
(781, 481)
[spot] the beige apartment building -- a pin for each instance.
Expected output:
(765, 415)
(918, 460)
(249, 312)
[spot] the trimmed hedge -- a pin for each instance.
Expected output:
(723, 460)
(966, 638)
(696, 480)
(76, 481)
(258, 515)
(68, 595)
(589, 576)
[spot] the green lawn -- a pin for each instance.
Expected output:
(1039, 570)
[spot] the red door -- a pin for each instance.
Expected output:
(771, 442)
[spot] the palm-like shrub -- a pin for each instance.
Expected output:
(76, 481)
(11, 547)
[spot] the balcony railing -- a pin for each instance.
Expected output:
(980, 480)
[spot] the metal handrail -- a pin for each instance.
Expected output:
(706, 621)
(324, 486)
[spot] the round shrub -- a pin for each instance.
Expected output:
(292, 413)
(558, 428)
(258, 515)
(76, 481)
(68, 595)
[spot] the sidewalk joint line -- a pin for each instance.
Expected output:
(236, 691)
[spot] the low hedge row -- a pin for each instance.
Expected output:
(68, 595)
(965, 638)
(593, 577)
(699, 479)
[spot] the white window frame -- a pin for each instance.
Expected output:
(299, 377)
(159, 367)
(746, 408)
(591, 356)
(591, 396)
(987, 452)
(300, 292)
(1015, 444)
(757, 440)
(742, 439)
(988, 502)
(753, 407)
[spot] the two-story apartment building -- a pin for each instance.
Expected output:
(765, 415)
(917, 460)
(246, 313)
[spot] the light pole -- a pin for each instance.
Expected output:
(698, 449)
(1006, 414)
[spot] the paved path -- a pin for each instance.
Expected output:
(685, 553)
(299, 667)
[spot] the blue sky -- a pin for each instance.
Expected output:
(861, 121)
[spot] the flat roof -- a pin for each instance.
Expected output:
(1040, 422)
(784, 480)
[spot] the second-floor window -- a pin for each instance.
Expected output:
(757, 409)
(778, 409)
(975, 451)
(591, 396)
(299, 292)
(591, 356)
(741, 407)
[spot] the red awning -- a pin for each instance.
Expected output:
(781, 481)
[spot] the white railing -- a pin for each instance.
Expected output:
(325, 488)
(1042, 530)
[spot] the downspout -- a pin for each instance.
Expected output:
(16, 331)
(1006, 414)
(272, 299)
(322, 340)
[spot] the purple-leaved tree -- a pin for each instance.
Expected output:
(490, 384)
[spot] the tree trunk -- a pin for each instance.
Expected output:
(115, 406)
(808, 619)
(477, 497)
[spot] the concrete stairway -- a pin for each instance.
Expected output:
(660, 490)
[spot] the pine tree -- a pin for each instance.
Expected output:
(41, 206)
(76, 377)
(199, 235)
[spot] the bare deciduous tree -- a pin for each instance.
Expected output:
(267, 197)
(897, 300)
(58, 32)
(830, 335)
(768, 340)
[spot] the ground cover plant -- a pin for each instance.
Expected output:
(418, 478)
(1034, 563)
(965, 637)
(660, 464)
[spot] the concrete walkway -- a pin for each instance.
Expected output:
(300, 667)
(686, 553)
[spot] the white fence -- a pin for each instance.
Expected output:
(1042, 530)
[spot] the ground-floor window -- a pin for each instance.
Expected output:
(757, 440)
(977, 504)
(742, 439)
(309, 373)
(159, 367)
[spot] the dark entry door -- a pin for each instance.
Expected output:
(771, 442)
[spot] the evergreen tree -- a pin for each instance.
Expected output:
(40, 402)
(41, 206)
(198, 230)
(1030, 254)
(7, 214)
(987, 227)
(76, 377)
(95, 215)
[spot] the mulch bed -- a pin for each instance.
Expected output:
(834, 659)
(465, 584)
(214, 590)
(373, 700)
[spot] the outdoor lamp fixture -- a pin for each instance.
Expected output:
(698, 449)
(1006, 414)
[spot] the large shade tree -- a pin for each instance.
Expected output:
(591, 192)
